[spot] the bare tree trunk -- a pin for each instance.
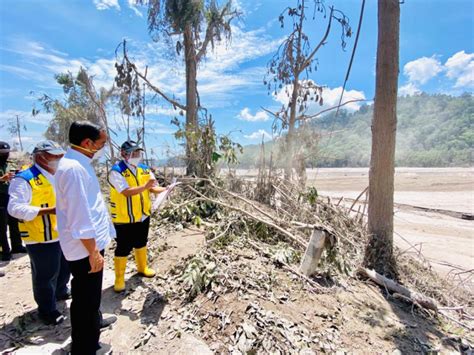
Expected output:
(191, 102)
(18, 130)
(379, 254)
(143, 124)
(290, 138)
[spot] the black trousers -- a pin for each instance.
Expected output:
(7, 221)
(86, 291)
(130, 236)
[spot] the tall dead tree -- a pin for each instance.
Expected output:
(184, 21)
(379, 254)
(99, 100)
(81, 101)
(15, 127)
(290, 68)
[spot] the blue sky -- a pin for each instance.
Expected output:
(42, 37)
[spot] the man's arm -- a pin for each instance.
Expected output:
(7, 177)
(130, 191)
(120, 184)
(47, 210)
(96, 260)
(158, 189)
(20, 199)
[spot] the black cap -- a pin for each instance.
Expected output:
(4, 148)
(50, 147)
(130, 146)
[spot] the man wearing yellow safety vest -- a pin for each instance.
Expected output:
(33, 203)
(130, 206)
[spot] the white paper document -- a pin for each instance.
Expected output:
(162, 197)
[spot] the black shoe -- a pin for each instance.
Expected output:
(6, 256)
(104, 349)
(64, 296)
(19, 250)
(105, 322)
(53, 318)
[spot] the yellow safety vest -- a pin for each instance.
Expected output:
(25, 166)
(130, 209)
(41, 228)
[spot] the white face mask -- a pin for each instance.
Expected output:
(99, 154)
(53, 164)
(134, 161)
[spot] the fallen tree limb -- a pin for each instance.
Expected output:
(452, 319)
(221, 234)
(289, 268)
(244, 200)
(358, 197)
(415, 297)
(294, 238)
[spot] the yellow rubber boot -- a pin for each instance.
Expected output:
(141, 260)
(120, 266)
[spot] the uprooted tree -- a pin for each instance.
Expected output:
(290, 68)
(185, 20)
(384, 127)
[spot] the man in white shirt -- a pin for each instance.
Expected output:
(85, 229)
(130, 204)
(32, 202)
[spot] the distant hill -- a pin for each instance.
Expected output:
(432, 131)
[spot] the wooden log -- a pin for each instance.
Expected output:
(393, 286)
(313, 252)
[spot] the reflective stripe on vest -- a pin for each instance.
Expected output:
(41, 228)
(130, 209)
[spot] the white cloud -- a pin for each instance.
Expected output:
(161, 111)
(330, 99)
(43, 63)
(153, 126)
(245, 115)
(422, 69)
(221, 79)
(461, 68)
(408, 90)
(106, 4)
(21, 72)
(131, 5)
(261, 133)
(26, 118)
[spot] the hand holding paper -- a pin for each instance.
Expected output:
(158, 202)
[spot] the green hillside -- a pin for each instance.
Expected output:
(432, 131)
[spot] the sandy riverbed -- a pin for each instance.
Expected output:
(446, 241)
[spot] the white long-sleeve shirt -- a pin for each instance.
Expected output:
(80, 208)
(20, 200)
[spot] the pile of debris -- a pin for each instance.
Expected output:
(251, 260)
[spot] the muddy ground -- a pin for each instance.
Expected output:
(354, 316)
